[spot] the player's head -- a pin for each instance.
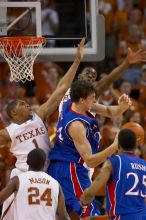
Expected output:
(19, 109)
(83, 92)
(89, 74)
(36, 159)
(127, 139)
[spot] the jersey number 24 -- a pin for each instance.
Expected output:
(34, 198)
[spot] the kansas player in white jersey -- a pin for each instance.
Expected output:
(27, 130)
(37, 195)
(125, 178)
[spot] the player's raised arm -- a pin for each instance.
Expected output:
(131, 58)
(50, 106)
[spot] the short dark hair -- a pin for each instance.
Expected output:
(127, 139)
(36, 159)
(10, 107)
(81, 89)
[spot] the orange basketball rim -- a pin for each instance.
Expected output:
(20, 52)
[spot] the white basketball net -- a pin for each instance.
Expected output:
(21, 57)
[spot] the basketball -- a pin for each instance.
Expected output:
(137, 129)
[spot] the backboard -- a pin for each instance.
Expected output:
(76, 19)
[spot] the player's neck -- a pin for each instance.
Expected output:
(77, 108)
(19, 120)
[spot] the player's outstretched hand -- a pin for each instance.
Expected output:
(124, 102)
(136, 57)
(80, 49)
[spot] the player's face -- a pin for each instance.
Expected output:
(88, 74)
(89, 101)
(24, 109)
(126, 88)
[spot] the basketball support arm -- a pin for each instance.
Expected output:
(19, 18)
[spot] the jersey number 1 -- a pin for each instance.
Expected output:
(35, 143)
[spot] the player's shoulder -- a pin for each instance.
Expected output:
(54, 184)
(114, 159)
(77, 123)
(5, 134)
(53, 180)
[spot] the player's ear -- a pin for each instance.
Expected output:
(13, 112)
(81, 100)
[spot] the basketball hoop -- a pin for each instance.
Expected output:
(20, 53)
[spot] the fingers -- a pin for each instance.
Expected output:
(82, 43)
(143, 55)
(143, 60)
(125, 98)
(140, 50)
(122, 97)
(129, 50)
(143, 52)
(80, 49)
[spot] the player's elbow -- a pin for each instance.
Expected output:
(93, 161)
(88, 160)
(91, 165)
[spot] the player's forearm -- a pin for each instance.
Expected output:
(69, 76)
(118, 71)
(105, 82)
(96, 186)
(116, 110)
(51, 105)
(87, 197)
(93, 160)
(108, 111)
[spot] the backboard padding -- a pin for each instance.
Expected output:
(96, 48)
